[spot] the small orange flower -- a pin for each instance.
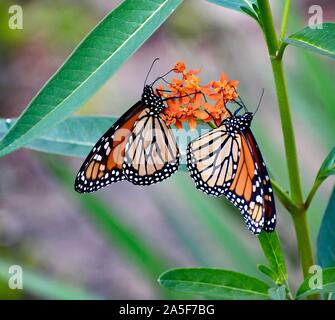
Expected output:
(171, 118)
(187, 100)
(160, 91)
(224, 89)
(179, 67)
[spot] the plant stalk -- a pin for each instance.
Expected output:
(311, 194)
(304, 241)
(286, 12)
(299, 212)
(288, 131)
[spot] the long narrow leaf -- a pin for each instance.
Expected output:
(246, 6)
(327, 167)
(309, 287)
(215, 283)
(273, 252)
(320, 39)
(326, 237)
(73, 137)
(98, 56)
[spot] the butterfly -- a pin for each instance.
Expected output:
(139, 147)
(227, 161)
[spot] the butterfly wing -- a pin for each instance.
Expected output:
(212, 160)
(151, 153)
(221, 163)
(103, 165)
(268, 198)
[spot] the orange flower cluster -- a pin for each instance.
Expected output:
(187, 99)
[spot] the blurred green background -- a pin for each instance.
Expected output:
(114, 244)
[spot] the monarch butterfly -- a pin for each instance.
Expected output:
(139, 147)
(227, 161)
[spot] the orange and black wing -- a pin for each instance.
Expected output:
(221, 163)
(103, 165)
(151, 153)
(268, 198)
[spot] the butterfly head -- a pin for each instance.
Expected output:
(150, 99)
(236, 124)
(244, 121)
(247, 117)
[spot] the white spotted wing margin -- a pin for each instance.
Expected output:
(103, 165)
(270, 215)
(220, 163)
(151, 154)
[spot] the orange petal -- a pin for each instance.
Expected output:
(200, 114)
(178, 124)
(223, 77)
(173, 105)
(160, 91)
(210, 108)
(192, 123)
(218, 122)
(179, 67)
(197, 100)
(185, 100)
(215, 96)
(225, 114)
(208, 119)
(192, 71)
(234, 83)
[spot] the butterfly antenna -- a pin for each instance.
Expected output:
(162, 77)
(241, 103)
(260, 100)
(152, 64)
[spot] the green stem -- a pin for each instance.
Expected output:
(286, 12)
(212, 125)
(288, 132)
(298, 212)
(282, 97)
(283, 196)
(311, 194)
(268, 26)
(282, 45)
(304, 244)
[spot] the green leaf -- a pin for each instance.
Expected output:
(326, 236)
(321, 40)
(41, 286)
(278, 293)
(267, 271)
(74, 137)
(91, 64)
(327, 167)
(246, 6)
(274, 254)
(328, 284)
(215, 283)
